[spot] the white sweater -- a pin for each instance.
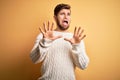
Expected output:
(59, 57)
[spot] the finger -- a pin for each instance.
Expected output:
(78, 30)
(41, 30)
(44, 24)
(83, 37)
(75, 31)
(48, 25)
(67, 39)
(52, 26)
(80, 33)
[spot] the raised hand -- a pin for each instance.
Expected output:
(48, 31)
(77, 37)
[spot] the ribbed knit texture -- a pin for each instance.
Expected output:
(60, 57)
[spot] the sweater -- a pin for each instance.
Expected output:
(59, 57)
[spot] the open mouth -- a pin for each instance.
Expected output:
(65, 22)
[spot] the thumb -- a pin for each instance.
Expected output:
(67, 39)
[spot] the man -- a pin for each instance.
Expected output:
(58, 50)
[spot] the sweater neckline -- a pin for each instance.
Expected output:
(63, 32)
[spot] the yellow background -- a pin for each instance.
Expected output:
(19, 22)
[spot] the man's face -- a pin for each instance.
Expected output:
(63, 19)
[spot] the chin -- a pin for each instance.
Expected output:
(64, 28)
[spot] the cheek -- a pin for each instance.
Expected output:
(69, 18)
(61, 17)
(60, 20)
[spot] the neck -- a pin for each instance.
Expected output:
(58, 29)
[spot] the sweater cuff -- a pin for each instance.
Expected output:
(76, 48)
(45, 42)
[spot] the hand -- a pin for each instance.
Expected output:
(77, 37)
(48, 32)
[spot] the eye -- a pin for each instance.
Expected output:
(68, 14)
(61, 13)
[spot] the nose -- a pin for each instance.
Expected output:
(66, 16)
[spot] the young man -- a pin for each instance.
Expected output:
(58, 50)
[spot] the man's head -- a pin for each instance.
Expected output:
(62, 17)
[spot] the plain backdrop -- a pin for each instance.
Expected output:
(19, 23)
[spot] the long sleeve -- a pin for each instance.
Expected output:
(80, 57)
(39, 51)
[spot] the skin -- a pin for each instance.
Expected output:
(63, 15)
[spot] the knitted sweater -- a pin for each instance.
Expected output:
(59, 57)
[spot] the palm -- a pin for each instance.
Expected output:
(77, 37)
(48, 32)
(75, 40)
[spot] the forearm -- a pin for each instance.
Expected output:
(40, 49)
(79, 55)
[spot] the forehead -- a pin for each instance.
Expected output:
(65, 10)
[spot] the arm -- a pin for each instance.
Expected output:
(80, 57)
(43, 43)
(78, 49)
(40, 48)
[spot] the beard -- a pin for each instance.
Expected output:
(60, 26)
